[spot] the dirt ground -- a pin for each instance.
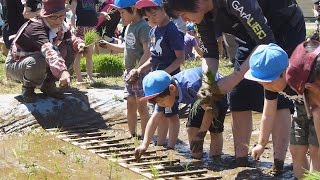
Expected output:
(35, 154)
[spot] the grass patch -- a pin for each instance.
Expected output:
(309, 32)
(223, 68)
(111, 67)
(315, 175)
(106, 64)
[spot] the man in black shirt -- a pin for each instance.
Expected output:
(13, 19)
(300, 81)
(31, 8)
(253, 23)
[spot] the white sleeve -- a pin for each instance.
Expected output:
(23, 2)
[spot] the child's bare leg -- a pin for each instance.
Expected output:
(89, 65)
(192, 132)
(76, 67)
(132, 114)
(174, 129)
(241, 128)
(162, 131)
(299, 159)
(144, 114)
(314, 158)
(216, 144)
(316, 121)
(281, 137)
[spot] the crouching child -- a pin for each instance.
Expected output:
(164, 90)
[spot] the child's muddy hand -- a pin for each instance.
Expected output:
(139, 151)
(196, 145)
(204, 94)
(103, 44)
(133, 76)
(81, 47)
(257, 151)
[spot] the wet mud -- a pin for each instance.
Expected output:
(101, 108)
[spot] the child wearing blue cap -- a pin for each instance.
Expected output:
(299, 80)
(165, 90)
(136, 52)
(191, 43)
(167, 53)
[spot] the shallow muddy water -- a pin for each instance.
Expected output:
(39, 155)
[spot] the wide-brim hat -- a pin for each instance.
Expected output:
(50, 7)
(300, 66)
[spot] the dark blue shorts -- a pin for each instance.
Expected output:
(197, 112)
(249, 96)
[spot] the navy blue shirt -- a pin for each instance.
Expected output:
(252, 22)
(87, 13)
(188, 83)
(163, 42)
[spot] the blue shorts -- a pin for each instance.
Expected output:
(168, 112)
(249, 96)
(134, 89)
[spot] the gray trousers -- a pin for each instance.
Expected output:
(33, 70)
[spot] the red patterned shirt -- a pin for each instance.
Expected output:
(35, 36)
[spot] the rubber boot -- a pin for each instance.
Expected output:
(49, 89)
(28, 94)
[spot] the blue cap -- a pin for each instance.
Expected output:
(266, 63)
(155, 83)
(148, 3)
(190, 27)
(121, 4)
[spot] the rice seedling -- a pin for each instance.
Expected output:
(209, 92)
(314, 175)
(185, 166)
(90, 37)
(154, 171)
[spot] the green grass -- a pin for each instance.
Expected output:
(13, 87)
(309, 32)
(315, 175)
(223, 68)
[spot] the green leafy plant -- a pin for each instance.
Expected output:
(186, 166)
(106, 64)
(191, 64)
(136, 141)
(314, 175)
(32, 169)
(117, 98)
(154, 171)
(90, 37)
(113, 166)
(209, 92)
(79, 160)
(57, 168)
